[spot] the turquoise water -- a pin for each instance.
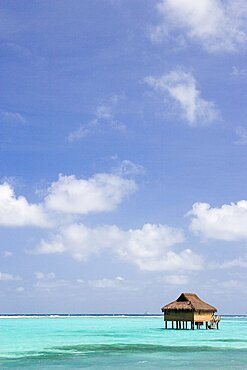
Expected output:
(119, 343)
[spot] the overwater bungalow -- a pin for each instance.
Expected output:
(190, 308)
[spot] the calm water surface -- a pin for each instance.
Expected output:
(119, 343)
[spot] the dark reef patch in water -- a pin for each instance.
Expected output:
(116, 349)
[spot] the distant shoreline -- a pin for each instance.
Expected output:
(54, 315)
(64, 315)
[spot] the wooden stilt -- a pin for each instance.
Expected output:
(165, 324)
(172, 325)
(186, 323)
(206, 325)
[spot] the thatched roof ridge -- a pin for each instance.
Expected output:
(188, 302)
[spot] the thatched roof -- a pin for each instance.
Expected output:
(188, 302)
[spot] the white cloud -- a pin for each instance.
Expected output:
(241, 133)
(100, 193)
(79, 241)
(49, 285)
(239, 72)
(150, 247)
(55, 246)
(20, 289)
(16, 211)
(177, 279)
(181, 86)
(229, 222)
(233, 285)
(16, 49)
(45, 276)
(216, 25)
(127, 168)
(106, 283)
(237, 262)
(80, 281)
(7, 254)
(47, 281)
(83, 131)
(12, 117)
(103, 119)
(4, 276)
(104, 112)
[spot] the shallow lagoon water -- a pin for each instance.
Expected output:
(119, 342)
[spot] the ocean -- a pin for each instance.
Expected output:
(119, 343)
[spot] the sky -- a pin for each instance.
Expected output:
(123, 155)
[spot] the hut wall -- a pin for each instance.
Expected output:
(187, 316)
(202, 316)
(179, 316)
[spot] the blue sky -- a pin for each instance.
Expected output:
(123, 154)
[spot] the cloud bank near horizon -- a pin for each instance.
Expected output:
(152, 247)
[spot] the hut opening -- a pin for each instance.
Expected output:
(189, 308)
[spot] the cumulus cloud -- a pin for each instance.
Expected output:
(150, 247)
(216, 25)
(181, 86)
(228, 222)
(79, 241)
(100, 193)
(16, 211)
